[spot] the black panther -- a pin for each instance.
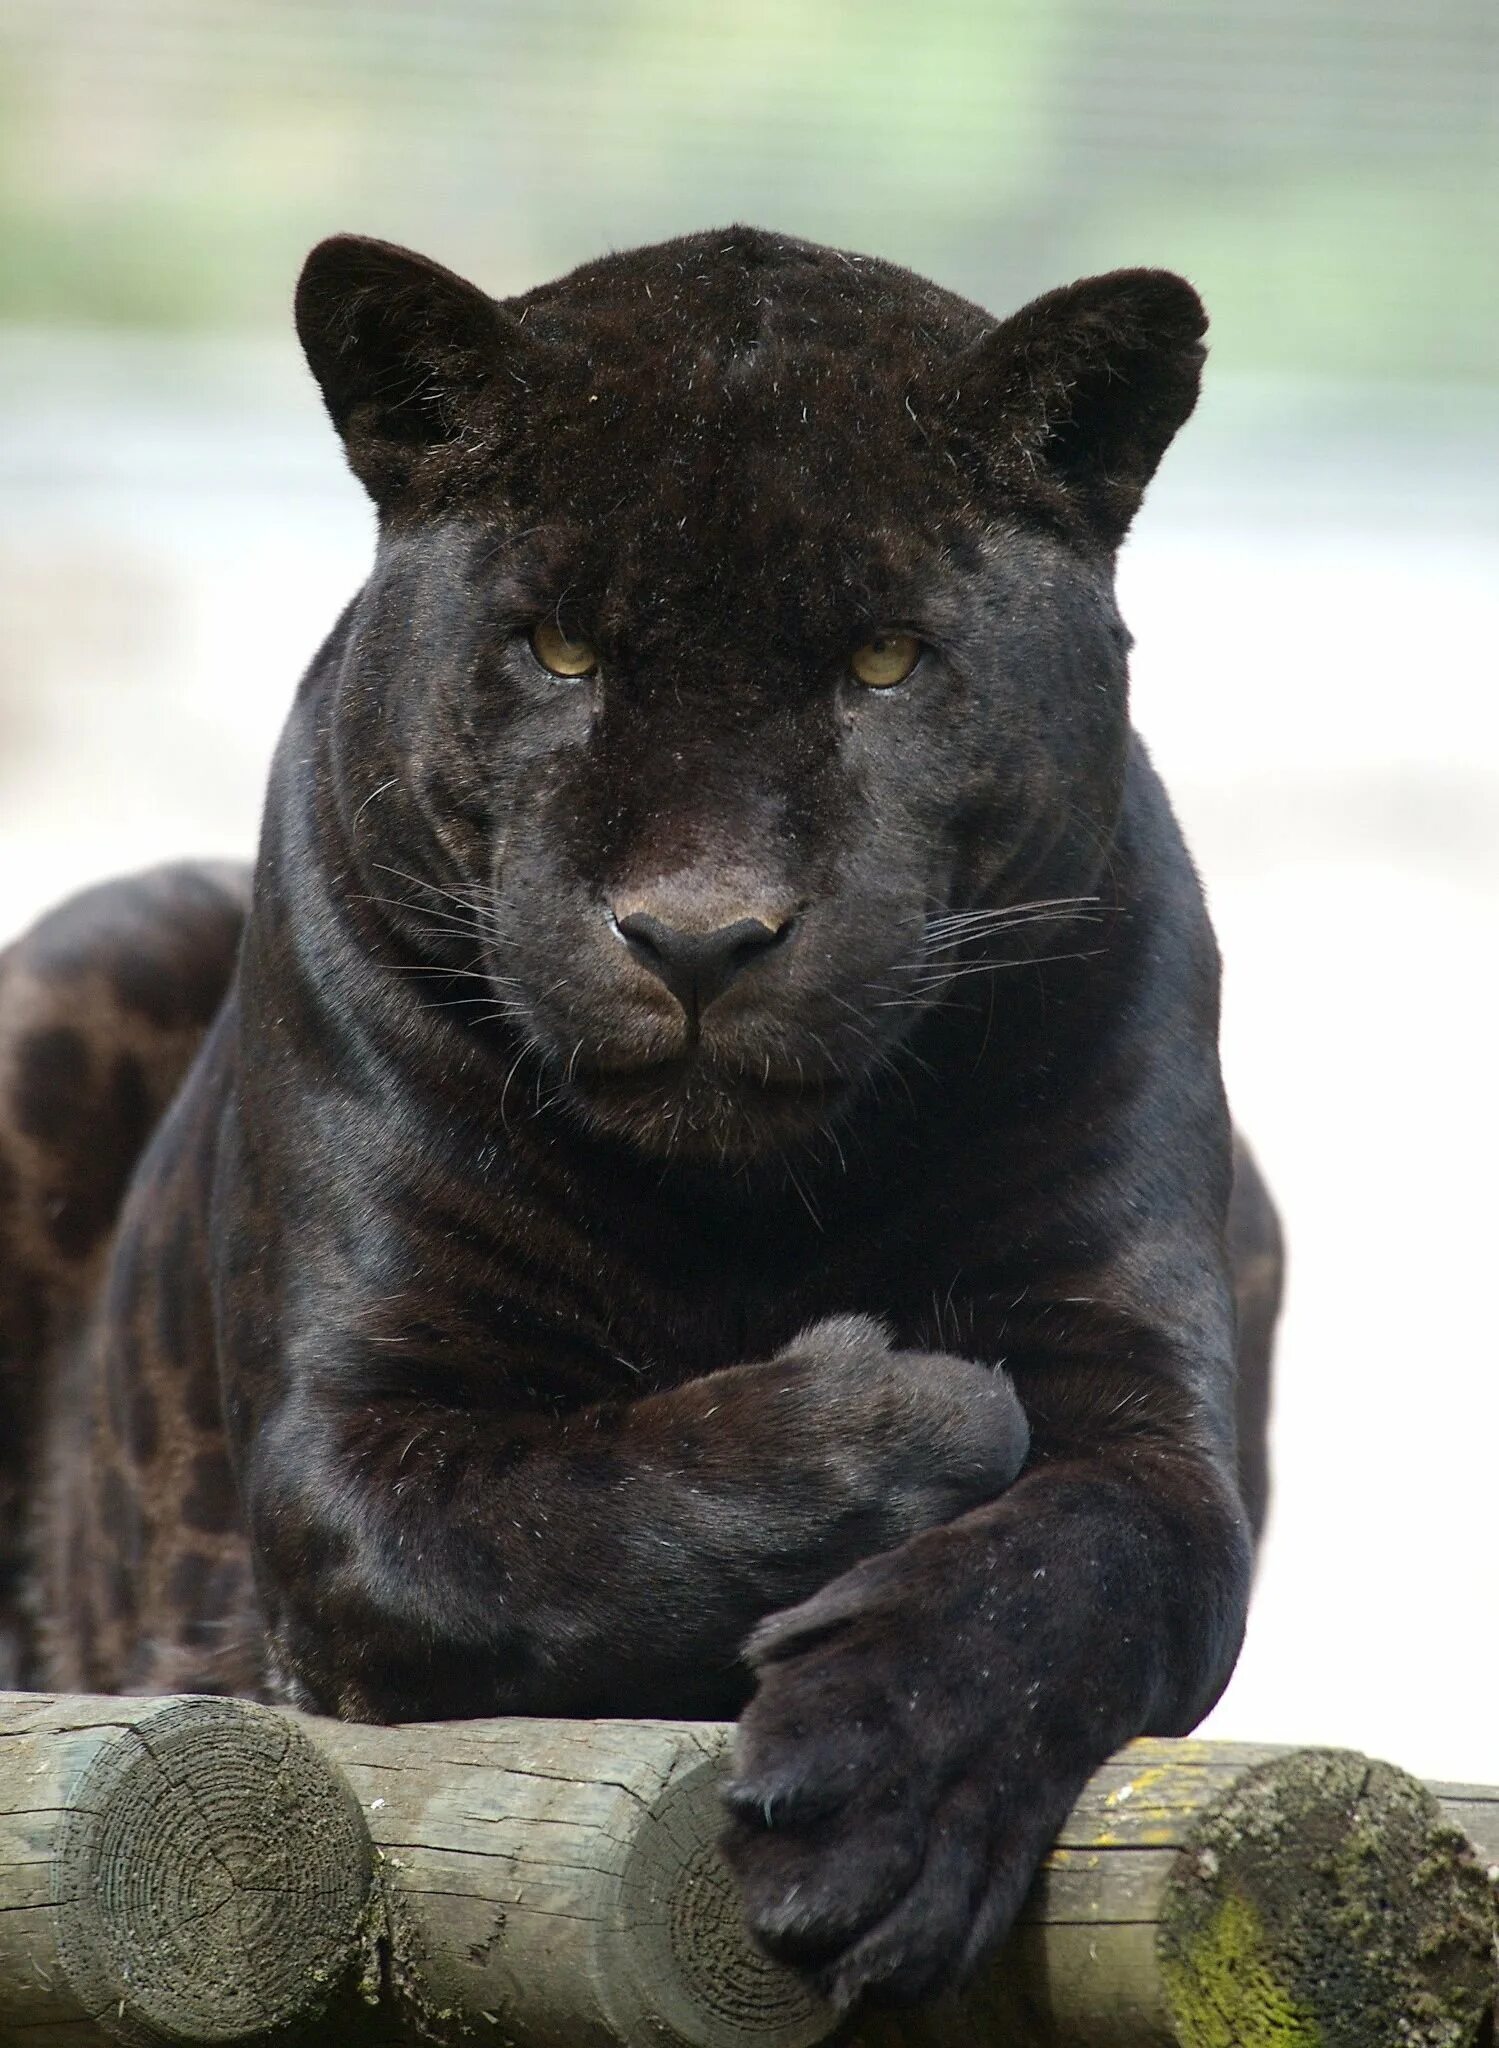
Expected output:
(700, 1183)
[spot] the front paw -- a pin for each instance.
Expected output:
(888, 1808)
(911, 1438)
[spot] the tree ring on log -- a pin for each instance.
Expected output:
(677, 1962)
(1325, 1902)
(211, 1877)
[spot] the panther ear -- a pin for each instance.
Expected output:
(403, 351)
(1079, 393)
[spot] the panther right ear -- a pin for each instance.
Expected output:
(1073, 400)
(403, 351)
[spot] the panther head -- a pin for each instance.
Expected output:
(740, 660)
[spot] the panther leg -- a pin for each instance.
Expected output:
(103, 1005)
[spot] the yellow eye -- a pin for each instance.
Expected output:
(885, 660)
(563, 657)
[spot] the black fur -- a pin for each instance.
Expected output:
(570, 1335)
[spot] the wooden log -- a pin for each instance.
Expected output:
(171, 1870)
(559, 1884)
(555, 1885)
(1475, 1810)
(1220, 1895)
(1204, 1894)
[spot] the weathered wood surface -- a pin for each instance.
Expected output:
(1222, 1895)
(170, 1870)
(559, 1881)
(208, 1870)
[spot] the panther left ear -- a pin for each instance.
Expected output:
(1077, 396)
(403, 351)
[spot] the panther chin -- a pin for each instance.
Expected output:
(693, 1107)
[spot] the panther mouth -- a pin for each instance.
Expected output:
(690, 1104)
(692, 1072)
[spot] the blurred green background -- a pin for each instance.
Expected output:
(1326, 172)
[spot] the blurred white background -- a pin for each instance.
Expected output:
(1314, 584)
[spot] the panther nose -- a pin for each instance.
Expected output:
(698, 966)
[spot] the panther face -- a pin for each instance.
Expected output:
(739, 676)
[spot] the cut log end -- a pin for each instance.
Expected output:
(1326, 1903)
(677, 1962)
(211, 1878)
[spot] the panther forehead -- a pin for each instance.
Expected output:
(741, 416)
(741, 297)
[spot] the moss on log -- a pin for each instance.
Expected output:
(1325, 1900)
(1219, 1895)
(209, 1871)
